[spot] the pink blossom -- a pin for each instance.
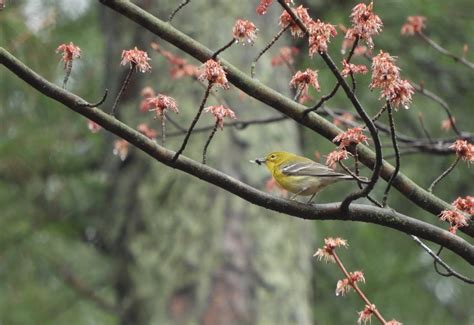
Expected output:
(137, 58)
(220, 112)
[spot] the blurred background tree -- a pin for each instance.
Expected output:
(88, 238)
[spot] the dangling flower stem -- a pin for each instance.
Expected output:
(194, 122)
(181, 5)
(124, 86)
(163, 129)
(222, 49)
(397, 154)
(68, 73)
(444, 174)
(213, 132)
(265, 49)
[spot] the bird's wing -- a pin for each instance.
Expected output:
(310, 168)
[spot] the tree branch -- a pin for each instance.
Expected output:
(356, 212)
(259, 91)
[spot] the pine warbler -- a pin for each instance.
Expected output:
(300, 175)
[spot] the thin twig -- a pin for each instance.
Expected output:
(351, 173)
(354, 285)
(323, 99)
(191, 127)
(181, 5)
(441, 102)
(391, 122)
(444, 174)
(358, 179)
(239, 125)
(425, 131)
(265, 49)
(442, 50)
(122, 89)
(100, 102)
(208, 142)
(222, 49)
(437, 260)
(379, 113)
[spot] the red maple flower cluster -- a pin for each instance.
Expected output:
(137, 58)
(161, 103)
(220, 112)
(335, 156)
(344, 286)
(262, 7)
(464, 150)
(351, 136)
(465, 204)
(365, 23)
(349, 68)
(303, 79)
(93, 126)
(244, 30)
(213, 72)
(414, 24)
(69, 52)
(330, 244)
(386, 76)
(121, 148)
(146, 93)
(286, 20)
(366, 314)
(285, 56)
(179, 66)
(447, 125)
(455, 218)
(319, 36)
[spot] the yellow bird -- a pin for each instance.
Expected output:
(300, 175)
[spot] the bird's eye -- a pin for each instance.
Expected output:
(272, 157)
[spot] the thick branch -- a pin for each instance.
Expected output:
(356, 212)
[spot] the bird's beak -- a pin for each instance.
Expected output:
(258, 161)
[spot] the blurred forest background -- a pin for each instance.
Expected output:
(88, 239)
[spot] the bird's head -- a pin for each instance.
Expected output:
(273, 159)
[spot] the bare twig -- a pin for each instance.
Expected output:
(100, 102)
(442, 50)
(397, 154)
(193, 124)
(122, 89)
(222, 49)
(437, 260)
(423, 127)
(265, 49)
(180, 6)
(444, 174)
(208, 142)
(441, 102)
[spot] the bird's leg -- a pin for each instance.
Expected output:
(298, 193)
(311, 198)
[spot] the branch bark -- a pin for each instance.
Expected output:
(356, 212)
